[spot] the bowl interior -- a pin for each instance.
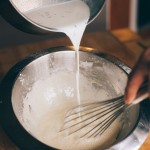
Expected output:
(47, 88)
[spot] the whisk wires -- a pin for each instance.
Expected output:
(92, 119)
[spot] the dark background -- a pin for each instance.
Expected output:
(143, 13)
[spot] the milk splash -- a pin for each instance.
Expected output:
(69, 17)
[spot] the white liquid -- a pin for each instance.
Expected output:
(70, 18)
(48, 102)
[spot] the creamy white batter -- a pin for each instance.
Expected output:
(46, 105)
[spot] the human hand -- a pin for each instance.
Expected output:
(139, 75)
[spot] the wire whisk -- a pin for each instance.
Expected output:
(93, 119)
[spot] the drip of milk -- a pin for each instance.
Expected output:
(69, 17)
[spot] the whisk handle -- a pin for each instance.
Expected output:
(142, 94)
(140, 98)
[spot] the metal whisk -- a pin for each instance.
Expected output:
(93, 119)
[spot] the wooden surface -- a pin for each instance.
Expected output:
(105, 41)
(119, 13)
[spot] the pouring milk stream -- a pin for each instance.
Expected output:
(69, 17)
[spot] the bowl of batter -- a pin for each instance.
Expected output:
(37, 93)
